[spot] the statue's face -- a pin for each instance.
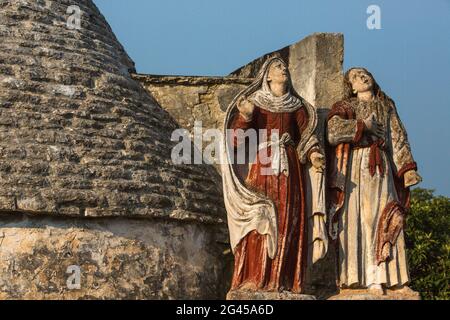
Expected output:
(278, 73)
(361, 81)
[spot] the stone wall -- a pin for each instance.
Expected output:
(118, 258)
(190, 99)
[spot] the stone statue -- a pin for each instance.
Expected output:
(267, 215)
(370, 168)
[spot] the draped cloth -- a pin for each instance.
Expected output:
(254, 210)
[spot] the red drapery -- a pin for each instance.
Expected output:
(253, 269)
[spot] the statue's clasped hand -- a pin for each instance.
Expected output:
(245, 108)
(373, 127)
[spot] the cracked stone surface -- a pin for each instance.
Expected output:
(118, 259)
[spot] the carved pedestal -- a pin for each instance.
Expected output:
(363, 294)
(264, 295)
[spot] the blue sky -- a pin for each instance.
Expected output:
(409, 56)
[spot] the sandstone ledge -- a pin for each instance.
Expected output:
(261, 295)
(362, 294)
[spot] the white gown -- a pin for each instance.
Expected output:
(366, 197)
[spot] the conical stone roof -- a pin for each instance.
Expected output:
(78, 136)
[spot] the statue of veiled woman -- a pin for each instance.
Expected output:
(267, 207)
(371, 168)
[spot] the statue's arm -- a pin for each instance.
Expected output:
(401, 150)
(341, 130)
(239, 125)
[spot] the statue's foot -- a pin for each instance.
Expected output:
(404, 290)
(376, 289)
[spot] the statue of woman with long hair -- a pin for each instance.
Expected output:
(267, 207)
(370, 169)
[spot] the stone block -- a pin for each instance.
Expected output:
(118, 259)
(263, 295)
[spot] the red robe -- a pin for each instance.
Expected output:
(253, 269)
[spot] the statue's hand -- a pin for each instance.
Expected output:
(318, 161)
(245, 108)
(412, 178)
(374, 127)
